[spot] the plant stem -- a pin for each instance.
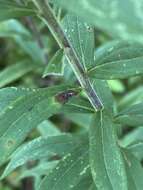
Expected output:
(38, 38)
(49, 18)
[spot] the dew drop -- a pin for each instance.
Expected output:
(10, 107)
(110, 49)
(71, 186)
(66, 30)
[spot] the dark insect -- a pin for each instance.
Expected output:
(63, 97)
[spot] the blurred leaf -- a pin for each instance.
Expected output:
(47, 128)
(132, 115)
(12, 28)
(133, 142)
(116, 86)
(132, 137)
(15, 30)
(137, 149)
(11, 9)
(81, 36)
(55, 65)
(133, 97)
(118, 18)
(135, 169)
(106, 159)
(16, 71)
(43, 148)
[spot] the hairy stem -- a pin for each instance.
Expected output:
(49, 18)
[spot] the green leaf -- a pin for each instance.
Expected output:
(81, 119)
(80, 103)
(42, 169)
(81, 37)
(16, 71)
(47, 128)
(11, 9)
(135, 169)
(116, 86)
(133, 142)
(103, 91)
(109, 51)
(86, 183)
(20, 115)
(118, 18)
(9, 95)
(69, 171)
(15, 30)
(131, 98)
(12, 28)
(137, 149)
(123, 62)
(26, 112)
(132, 137)
(55, 65)
(132, 115)
(107, 164)
(43, 148)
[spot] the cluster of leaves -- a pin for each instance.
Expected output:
(101, 153)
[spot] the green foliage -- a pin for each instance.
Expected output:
(71, 103)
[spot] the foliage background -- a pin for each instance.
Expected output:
(26, 46)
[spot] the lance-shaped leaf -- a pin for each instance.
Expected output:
(81, 37)
(118, 18)
(43, 148)
(132, 116)
(20, 114)
(15, 71)
(25, 113)
(11, 9)
(55, 65)
(106, 52)
(69, 171)
(125, 61)
(107, 164)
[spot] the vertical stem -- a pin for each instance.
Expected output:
(36, 33)
(49, 18)
(38, 38)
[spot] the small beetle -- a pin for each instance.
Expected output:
(63, 97)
